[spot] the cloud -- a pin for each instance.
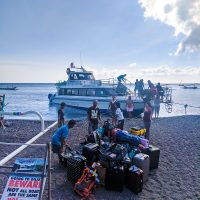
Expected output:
(132, 65)
(182, 15)
(171, 71)
(163, 73)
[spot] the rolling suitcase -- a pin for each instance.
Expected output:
(134, 179)
(142, 161)
(65, 155)
(90, 152)
(108, 160)
(101, 171)
(115, 178)
(75, 166)
(154, 154)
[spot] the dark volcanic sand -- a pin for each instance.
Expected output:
(178, 175)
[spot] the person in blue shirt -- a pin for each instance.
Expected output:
(121, 78)
(59, 138)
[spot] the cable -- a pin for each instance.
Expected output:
(186, 105)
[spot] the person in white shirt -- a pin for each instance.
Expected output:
(120, 117)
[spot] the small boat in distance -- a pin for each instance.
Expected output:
(8, 88)
(190, 86)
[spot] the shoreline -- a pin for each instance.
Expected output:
(104, 117)
(178, 175)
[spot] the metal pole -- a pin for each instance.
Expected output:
(26, 113)
(14, 153)
(49, 171)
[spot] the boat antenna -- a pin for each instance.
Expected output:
(80, 58)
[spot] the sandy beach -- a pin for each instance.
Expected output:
(178, 175)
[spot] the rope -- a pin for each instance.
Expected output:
(186, 105)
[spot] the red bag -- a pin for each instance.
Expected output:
(86, 183)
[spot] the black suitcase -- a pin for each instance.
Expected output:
(134, 179)
(65, 155)
(90, 152)
(115, 178)
(75, 166)
(108, 160)
(154, 154)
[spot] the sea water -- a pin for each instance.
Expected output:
(34, 97)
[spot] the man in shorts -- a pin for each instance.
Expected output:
(93, 117)
(59, 138)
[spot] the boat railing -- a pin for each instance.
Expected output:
(110, 81)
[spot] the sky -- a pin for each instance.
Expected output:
(149, 39)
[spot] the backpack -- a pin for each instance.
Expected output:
(94, 138)
(86, 183)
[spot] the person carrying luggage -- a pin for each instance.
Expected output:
(121, 78)
(59, 138)
(160, 91)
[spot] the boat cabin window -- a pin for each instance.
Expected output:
(90, 92)
(81, 76)
(82, 92)
(100, 92)
(75, 92)
(61, 91)
(73, 77)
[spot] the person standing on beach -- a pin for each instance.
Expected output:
(61, 114)
(157, 105)
(59, 138)
(2, 97)
(112, 109)
(94, 117)
(147, 118)
(129, 107)
(120, 117)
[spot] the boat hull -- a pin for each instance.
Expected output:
(85, 102)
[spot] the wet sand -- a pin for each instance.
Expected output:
(178, 175)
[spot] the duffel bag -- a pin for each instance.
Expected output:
(137, 130)
(125, 137)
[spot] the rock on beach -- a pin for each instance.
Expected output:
(178, 175)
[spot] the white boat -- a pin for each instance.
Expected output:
(81, 88)
(190, 86)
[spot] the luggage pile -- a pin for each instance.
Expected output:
(114, 159)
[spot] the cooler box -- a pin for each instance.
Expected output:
(90, 152)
